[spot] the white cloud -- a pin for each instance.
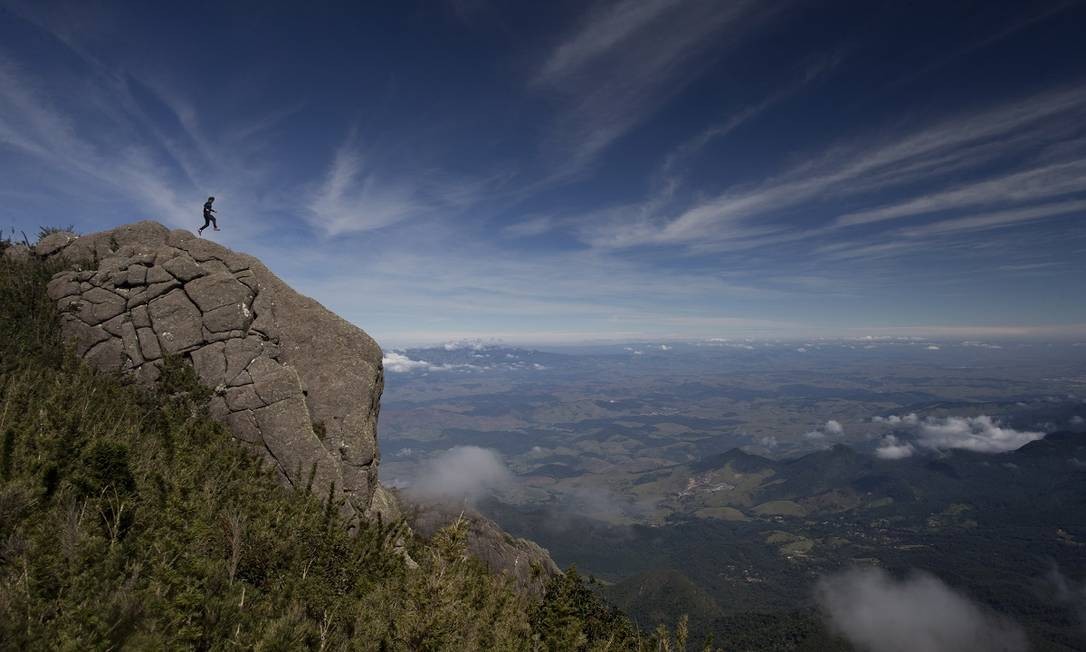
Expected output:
(398, 363)
(831, 428)
(891, 448)
(932, 347)
(982, 434)
(879, 613)
(462, 473)
(980, 345)
(908, 419)
(472, 344)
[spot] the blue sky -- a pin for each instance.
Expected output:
(573, 171)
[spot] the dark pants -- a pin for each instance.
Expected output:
(209, 219)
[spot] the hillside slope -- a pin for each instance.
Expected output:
(130, 518)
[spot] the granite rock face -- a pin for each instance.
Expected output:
(292, 380)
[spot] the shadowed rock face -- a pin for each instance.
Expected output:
(292, 380)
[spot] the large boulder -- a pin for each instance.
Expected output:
(292, 380)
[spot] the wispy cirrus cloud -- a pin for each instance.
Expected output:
(355, 196)
(812, 72)
(107, 137)
(1045, 182)
(606, 29)
(31, 124)
(531, 226)
(889, 222)
(614, 70)
(998, 219)
(968, 144)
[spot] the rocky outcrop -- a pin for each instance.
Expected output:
(14, 251)
(292, 380)
(527, 563)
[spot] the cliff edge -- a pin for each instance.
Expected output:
(292, 380)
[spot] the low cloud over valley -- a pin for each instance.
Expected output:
(877, 612)
(462, 473)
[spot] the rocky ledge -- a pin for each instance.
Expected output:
(292, 380)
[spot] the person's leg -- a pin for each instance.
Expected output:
(207, 221)
(215, 223)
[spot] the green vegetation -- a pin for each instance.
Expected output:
(779, 507)
(722, 513)
(128, 518)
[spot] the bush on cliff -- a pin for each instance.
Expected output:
(128, 518)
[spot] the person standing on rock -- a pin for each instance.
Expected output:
(209, 218)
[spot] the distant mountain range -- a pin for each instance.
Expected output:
(748, 536)
(1043, 479)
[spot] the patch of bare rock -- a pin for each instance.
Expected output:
(291, 379)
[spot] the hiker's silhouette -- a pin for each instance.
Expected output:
(209, 217)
